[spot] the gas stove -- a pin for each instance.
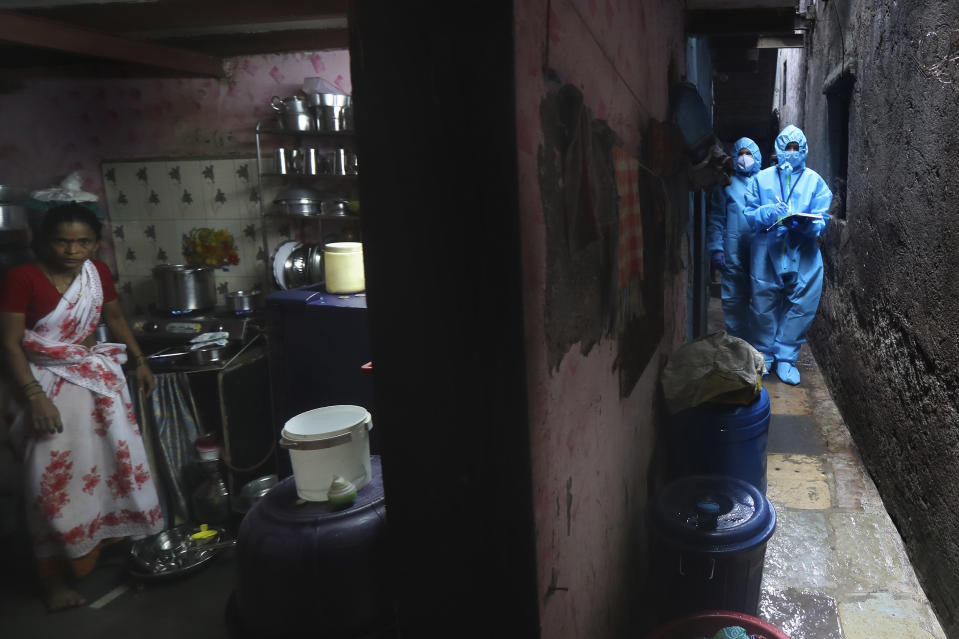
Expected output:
(168, 329)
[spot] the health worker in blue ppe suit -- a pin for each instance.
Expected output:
(786, 206)
(728, 238)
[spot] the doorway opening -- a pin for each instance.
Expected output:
(838, 101)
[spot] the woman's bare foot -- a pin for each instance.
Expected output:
(58, 595)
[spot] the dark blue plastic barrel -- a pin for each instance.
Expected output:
(722, 439)
(708, 545)
(310, 569)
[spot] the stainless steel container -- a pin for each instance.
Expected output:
(332, 112)
(293, 114)
(184, 287)
(13, 217)
(344, 162)
(242, 302)
(310, 161)
(282, 162)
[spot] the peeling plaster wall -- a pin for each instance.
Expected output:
(590, 447)
(54, 125)
(789, 92)
(886, 336)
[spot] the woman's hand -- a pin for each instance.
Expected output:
(145, 379)
(46, 417)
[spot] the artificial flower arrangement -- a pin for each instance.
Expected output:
(211, 247)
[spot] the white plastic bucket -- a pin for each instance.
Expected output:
(328, 441)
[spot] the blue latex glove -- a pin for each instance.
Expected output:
(768, 214)
(811, 228)
(718, 260)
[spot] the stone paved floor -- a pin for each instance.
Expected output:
(835, 567)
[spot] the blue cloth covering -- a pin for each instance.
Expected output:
(727, 230)
(785, 265)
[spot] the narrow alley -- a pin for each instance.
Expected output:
(835, 567)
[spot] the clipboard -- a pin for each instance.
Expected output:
(814, 216)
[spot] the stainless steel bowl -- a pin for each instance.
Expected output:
(255, 490)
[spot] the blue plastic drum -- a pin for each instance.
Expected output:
(722, 439)
(708, 545)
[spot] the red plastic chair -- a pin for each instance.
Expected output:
(708, 623)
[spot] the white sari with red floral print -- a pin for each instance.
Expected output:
(92, 481)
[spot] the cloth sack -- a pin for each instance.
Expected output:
(715, 368)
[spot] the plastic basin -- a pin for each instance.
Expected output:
(708, 623)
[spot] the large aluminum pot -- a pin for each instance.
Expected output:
(184, 287)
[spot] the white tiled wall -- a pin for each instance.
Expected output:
(153, 204)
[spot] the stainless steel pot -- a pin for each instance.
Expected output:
(184, 287)
(208, 355)
(293, 114)
(298, 201)
(242, 301)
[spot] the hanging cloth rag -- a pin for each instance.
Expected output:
(630, 250)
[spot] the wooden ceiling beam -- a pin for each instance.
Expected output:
(739, 21)
(264, 43)
(47, 34)
(171, 14)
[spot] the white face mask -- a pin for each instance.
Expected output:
(745, 163)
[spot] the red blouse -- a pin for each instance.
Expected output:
(27, 290)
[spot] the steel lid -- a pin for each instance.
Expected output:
(181, 268)
(713, 514)
(327, 422)
(343, 247)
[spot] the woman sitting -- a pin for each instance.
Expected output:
(87, 479)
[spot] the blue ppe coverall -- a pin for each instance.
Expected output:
(727, 230)
(785, 266)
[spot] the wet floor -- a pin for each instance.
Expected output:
(835, 567)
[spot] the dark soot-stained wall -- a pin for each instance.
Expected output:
(887, 334)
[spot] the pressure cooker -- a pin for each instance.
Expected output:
(182, 288)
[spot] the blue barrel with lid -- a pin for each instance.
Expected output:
(708, 544)
(722, 439)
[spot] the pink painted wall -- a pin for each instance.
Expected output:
(55, 125)
(590, 449)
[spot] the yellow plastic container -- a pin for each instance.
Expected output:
(343, 267)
